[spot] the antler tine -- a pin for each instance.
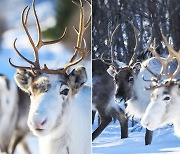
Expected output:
(164, 61)
(134, 56)
(153, 79)
(153, 87)
(19, 67)
(81, 30)
(102, 59)
(24, 22)
(80, 33)
(111, 40)
(83, 52)
(89, 20)
(172, 53)
(14, 44)
(40, 42)
(155, 75)
(110, 37)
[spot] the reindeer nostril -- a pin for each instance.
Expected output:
(43, 122)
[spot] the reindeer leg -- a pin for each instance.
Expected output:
(102, 126)
(123, 121)
(93, 116)
(124, 127)
(148, 137)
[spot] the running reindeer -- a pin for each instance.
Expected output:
(13, 116)
(164, 105)
(60, 109)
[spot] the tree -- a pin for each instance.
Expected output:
(148, 16)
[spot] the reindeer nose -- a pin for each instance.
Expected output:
(38, 123)
(44, 122)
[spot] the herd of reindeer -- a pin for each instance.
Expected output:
(55, 104)
(149, 90)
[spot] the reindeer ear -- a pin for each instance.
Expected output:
(112, 70)
(78, 77)
(136, 67)
(23, 79)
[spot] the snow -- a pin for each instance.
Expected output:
(109, 142)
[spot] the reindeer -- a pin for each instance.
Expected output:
(164, 105)
(13, 116)
(122, 89)
(129, 85)
(60, 108)
(104, 91)
(135, 85)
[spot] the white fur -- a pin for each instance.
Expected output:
(8, 100)
(75, 132)
(67, 129)
(137, 107)
(161, 112)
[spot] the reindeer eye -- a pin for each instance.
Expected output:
(131, 79)
(65, 92)
(166, 98)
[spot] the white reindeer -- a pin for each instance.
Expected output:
(164, 106)
(13, 116)
(60, 109)
(130, 86)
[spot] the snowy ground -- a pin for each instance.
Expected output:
(109, 141)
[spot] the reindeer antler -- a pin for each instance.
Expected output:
(35, 66)
(82, 27)
(164, 61)
(137, 45)
(110, 37)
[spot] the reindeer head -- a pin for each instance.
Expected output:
(123, 76)
(51, 91)
(123, 79)
(165, 95)
(162, 108)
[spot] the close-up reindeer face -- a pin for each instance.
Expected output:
(166, 92)
(163, 102)
(123, 80)
(51, 95)
(51, 91)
